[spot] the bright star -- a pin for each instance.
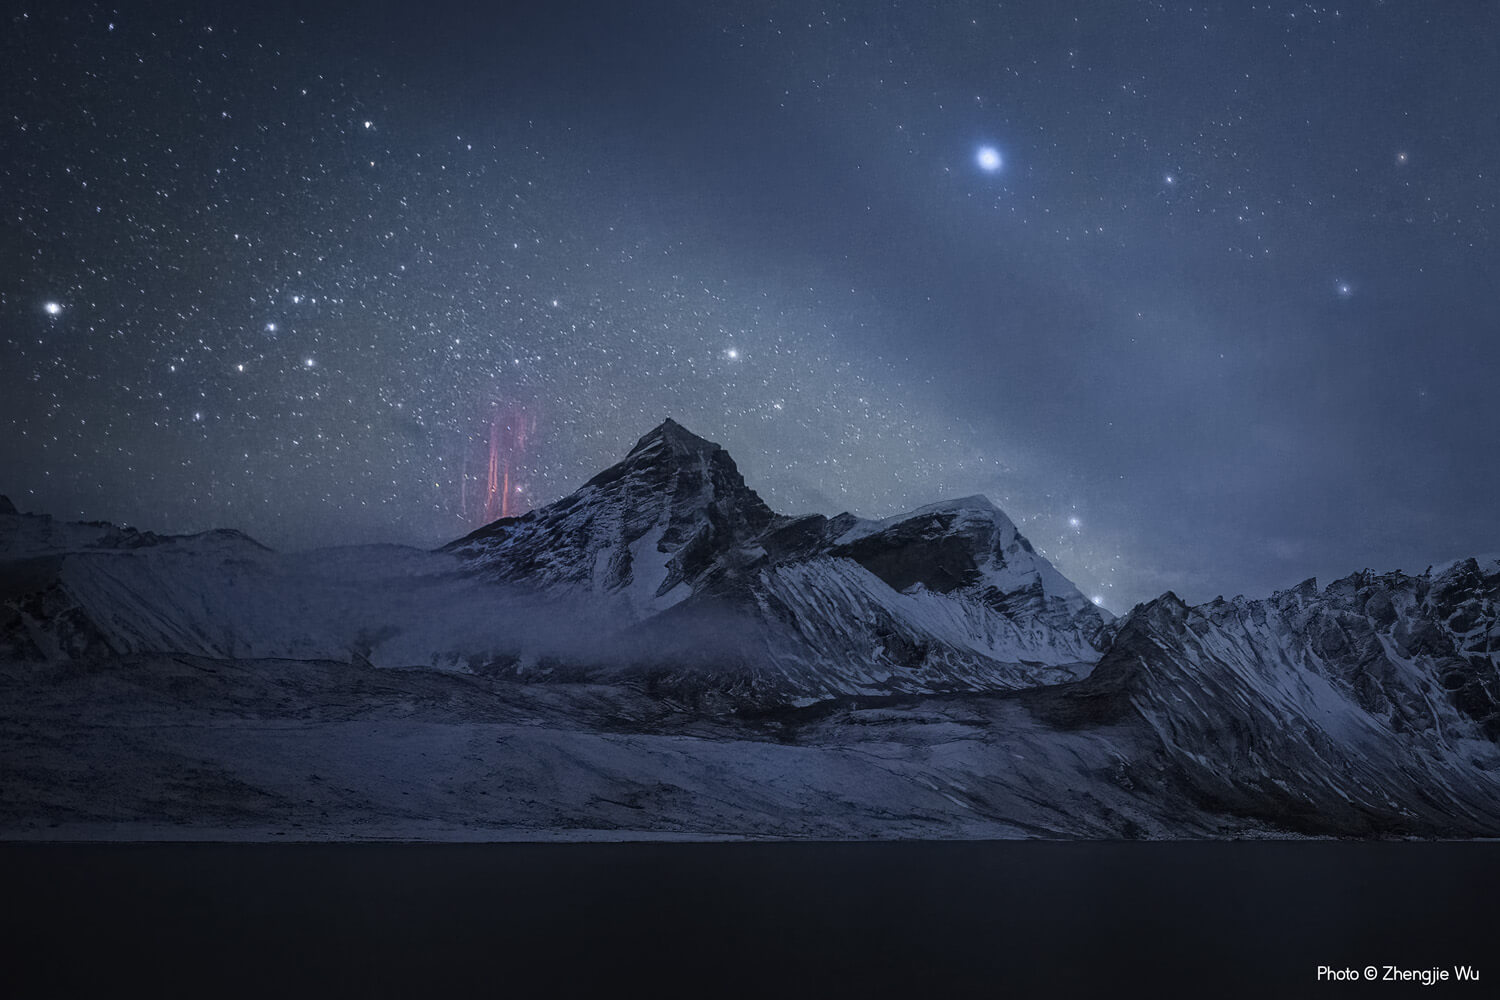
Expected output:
(1345, 289)
(732, 354)
(1074, 522)
(988, 159)
(52, 308)
(308, 363)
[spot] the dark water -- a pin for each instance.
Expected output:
(927, 919)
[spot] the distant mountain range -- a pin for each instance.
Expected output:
(661, 654)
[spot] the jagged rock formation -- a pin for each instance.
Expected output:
(949, 597)
(1370, 707)
(665, 567)
(646, 529)
(726, 670)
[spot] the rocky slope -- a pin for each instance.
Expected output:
(949, 597)
(665, 566)
(660, 654)
(1371, 706)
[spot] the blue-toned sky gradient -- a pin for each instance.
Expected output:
(1219, 313)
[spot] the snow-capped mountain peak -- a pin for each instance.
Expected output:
(677, 566)
(1367, 707)
(640, 531)
(949, 595)
(966, 545)
(671, 438)
(673, 467)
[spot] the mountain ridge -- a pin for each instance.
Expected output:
(661, 652)
(949, 594)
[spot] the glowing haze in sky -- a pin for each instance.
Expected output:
(1201, 296)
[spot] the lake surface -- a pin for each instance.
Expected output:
(804, 919)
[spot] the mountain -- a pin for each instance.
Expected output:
(661, 654)
(1369, 707)
(665, 567)
(726, 593)
(644, 531)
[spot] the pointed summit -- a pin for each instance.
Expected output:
(672, 540)
(671, 438)
(968, 545)
(671, 462)
(644, 528)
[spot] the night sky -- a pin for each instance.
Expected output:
(1204, 296)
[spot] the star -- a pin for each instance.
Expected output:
(412, 296)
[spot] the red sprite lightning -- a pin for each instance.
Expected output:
(510, 428)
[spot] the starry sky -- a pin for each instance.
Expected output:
(1202, 295)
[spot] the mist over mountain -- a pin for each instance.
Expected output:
(660, 653)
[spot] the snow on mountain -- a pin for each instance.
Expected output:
(949, 597)
(1002, 559)
(96, 591)
(731, 672)
(638, 533)
(24, 536)
(968, 547)
(1372, 706)
(665, 565)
